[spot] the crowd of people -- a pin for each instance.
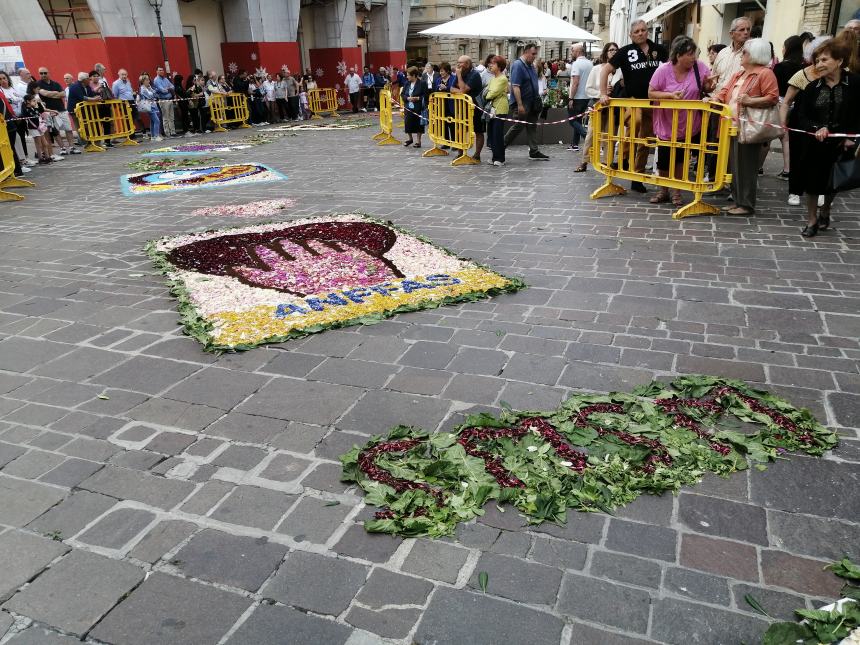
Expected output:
(812, 88)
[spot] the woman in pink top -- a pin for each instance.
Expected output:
(681, 78)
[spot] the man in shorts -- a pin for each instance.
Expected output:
(469, 82)
(54, 98)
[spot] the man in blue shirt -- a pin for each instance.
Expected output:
(165, 92)
(123, 91)
(526, 103)
(368, 80)
(469, 82)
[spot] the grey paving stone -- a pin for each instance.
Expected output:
(162, 538)
(384, 588)
(486, 362)
(71, 472)
(336, 443)
(172, 611)
(54, 598)
(216, 388)
(375, 547)
(285, 468)
(845, 408)
(517, 580)
(581, 633)
(722, 557)
(734, 487)
(813, 486)
(534, 369)
(723, 518)
(237, 561)
(206, 497)
(269, 625)
(476, 536)
(50, 440)
(435, 560)
(298, 437)
(559, 553)
(71, 515)
(814, 536)
(378, 411)
(37, 635)
(22, 501)
(721, 367)
(703, 624)
(9, 452)
(350, 372)
(388, 623)
(314, 520)
(474, 389)
(23, 354)
(804, 575)
(145, 374)
(651, 509)
(458, 616)
(93, 449)
(140, 487)
(246, 428)
(136, 459)
(240, 457)
(170, 443)
(598, 601)
(625, 568)
(588, 376)
(696, 586)
(116, 528)
(581, 527)
(516, 543)
(316, 583)
(778, 604)
(642, 539)
(292, 363)
(434, 356)
(253, 506)
(293, 400)
(420, 381)
(24, 555)
(203, 447)
(5, 623)
(165, 412)
(33, 464)
(326, 477)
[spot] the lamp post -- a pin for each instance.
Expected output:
(156, 5)
(365, 24)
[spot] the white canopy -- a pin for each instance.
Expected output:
(511, 20)
(665, 8)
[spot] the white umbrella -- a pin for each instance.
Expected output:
(619, 27)
(511, 20)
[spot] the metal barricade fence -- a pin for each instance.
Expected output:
(104, 121)
(7, 172)
(386, 120)
(450, 123)
(322, 100)
(229, 108)
(617, 130)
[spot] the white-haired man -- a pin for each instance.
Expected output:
(728, 61)
(637, 61)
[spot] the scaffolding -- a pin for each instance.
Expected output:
(70, 19)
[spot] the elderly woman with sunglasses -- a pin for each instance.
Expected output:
(755, 85)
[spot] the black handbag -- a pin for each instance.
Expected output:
(846, 174)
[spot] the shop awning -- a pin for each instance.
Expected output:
(709, 3)
(663, 9)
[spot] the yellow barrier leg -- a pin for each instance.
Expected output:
(219, 128)
(608, 189)
(14, 182)
(379, 136)
(92, 147)
(435, 151)
(696, 207)
(315, 117)
(6, 196)
(465, 160)
(389, 140)
(129, 142)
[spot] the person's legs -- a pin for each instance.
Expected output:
(515, 129)
(645, 128)
(165, 117)
(22, 134)
(354, 101)
(155, 122)
(746, 169)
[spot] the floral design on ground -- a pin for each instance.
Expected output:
(593, 453)
(172, 163)
(245, 286)
(264, 208)
(161, 181)
(299, 127)
(208, 147)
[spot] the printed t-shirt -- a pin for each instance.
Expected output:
(664, 81)
(637, 67)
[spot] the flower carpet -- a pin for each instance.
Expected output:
(242, 287)
(161, 181)
(193, 148)
(321, 125)
(593, 453)
(264, 208)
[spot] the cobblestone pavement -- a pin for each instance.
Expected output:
(152, 493)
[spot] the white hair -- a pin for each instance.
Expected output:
(82, 76)
(759, 51)
(738, 21)
(810, 47)
(637, 22)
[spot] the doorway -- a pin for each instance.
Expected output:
(190, 35)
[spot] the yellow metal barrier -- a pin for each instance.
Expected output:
(7, 172)
(104, 121)
(453, 127)
(321, 100)
(609, 123)
(386, 120)
(229, 108)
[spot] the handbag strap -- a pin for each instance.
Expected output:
(698, 79)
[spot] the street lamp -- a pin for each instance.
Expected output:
(156, 4)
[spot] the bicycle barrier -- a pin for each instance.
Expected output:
(229, 108)
(105, 121)
(386, 120)
(322, 100)
(450, 124)
(617, 130)
(7, 172)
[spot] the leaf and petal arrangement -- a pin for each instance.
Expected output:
(595, 452)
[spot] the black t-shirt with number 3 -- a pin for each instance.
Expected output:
(638, 67)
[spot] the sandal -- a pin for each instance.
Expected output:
(408, 143)
(661, 197)
(739, 210)
(581, 167)
(677, 200)
(416, 145)
(824, 218)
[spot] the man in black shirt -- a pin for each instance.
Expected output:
(637, 61)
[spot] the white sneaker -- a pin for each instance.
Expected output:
(57, 157)
(25, 169)
(498, 163)
(158, 139)
(28, 162)
(820, 201)
(794, 200)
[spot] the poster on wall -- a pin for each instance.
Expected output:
(11, 59)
